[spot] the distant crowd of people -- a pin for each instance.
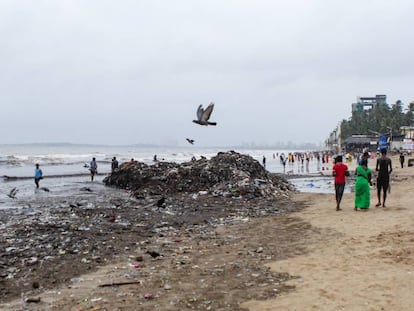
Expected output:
(303, 160)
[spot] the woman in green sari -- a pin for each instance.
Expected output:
(362, 190)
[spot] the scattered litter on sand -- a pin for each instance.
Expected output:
(55, 240)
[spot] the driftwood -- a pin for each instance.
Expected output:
(33, 300)
(119, 283)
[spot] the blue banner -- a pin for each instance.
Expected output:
(383, 143)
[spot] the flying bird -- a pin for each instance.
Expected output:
(191, 141)
(13, 193)
(203, 115)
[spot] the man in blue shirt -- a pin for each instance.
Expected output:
(38, 175)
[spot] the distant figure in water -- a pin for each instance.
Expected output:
(93, 167)
(283, 161)
(114, 164)
(38, 175)
(155, 158)
(323, 161)
(264, 161)
(318, 162)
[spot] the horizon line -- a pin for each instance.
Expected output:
(243, 145)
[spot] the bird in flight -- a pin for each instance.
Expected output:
(13, 193)
(191, 141)
(203, 115)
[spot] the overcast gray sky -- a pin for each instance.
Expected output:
(125, 72)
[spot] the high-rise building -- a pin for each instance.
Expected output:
(367, 103)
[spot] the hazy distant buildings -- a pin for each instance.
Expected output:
(408, 140)
(361, 142)
(367, 103)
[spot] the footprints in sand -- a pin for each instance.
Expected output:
(324, 293)
(396, 247)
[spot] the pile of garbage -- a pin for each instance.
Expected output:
(52, 240)
(228, 174)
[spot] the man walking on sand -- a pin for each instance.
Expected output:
(384, 169)
(339, 170)
(402, 159)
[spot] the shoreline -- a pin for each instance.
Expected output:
(7, 178)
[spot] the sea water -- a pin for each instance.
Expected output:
(66, 159)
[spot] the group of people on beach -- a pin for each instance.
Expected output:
(340, 172)
(363, 180)
(301, 158)
(93, 166)
(93, 169)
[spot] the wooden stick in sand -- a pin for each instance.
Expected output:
(119, 283)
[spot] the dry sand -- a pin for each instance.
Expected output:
(369, 266)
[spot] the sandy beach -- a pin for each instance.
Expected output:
(366, 262)
(312, 258)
